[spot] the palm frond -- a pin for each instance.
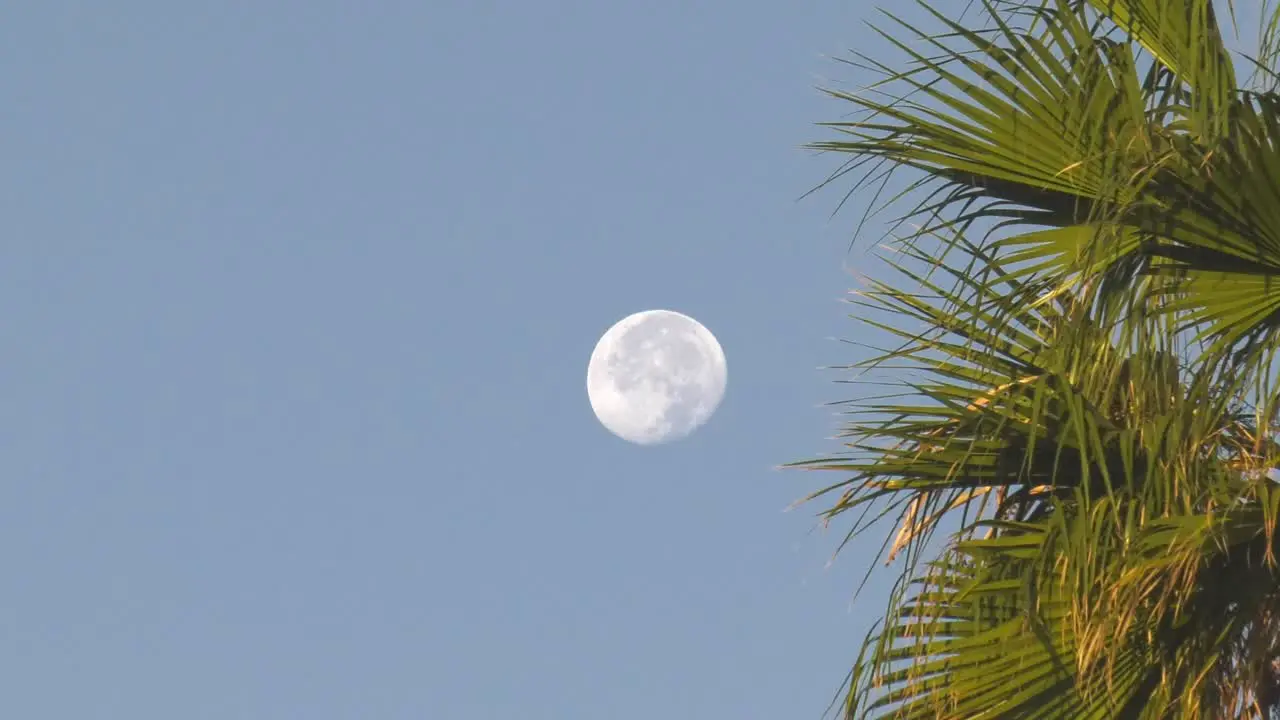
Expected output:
(1177, 175)
(1089, 390)
(1113, 502)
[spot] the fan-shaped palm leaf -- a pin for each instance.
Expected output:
(1114, 502)
(1093, 391)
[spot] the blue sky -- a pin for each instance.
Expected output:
(297, 305)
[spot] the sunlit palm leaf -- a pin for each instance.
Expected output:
(1093, 392)
(1143, 494)
(1177, 175)
(993, 632)
(1184, 38)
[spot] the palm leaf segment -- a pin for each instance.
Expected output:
(1116, 557)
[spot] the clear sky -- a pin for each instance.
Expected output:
(296, 302)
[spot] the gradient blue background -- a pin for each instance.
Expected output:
(296, 301)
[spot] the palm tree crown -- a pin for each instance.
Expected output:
(1093, 281)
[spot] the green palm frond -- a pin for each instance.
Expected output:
(993, 632)
(1110, 497)
(1123, 173)
(967, 643)
(1090, 391)
(1043, 122)
(1003, 401)
(1185, 41)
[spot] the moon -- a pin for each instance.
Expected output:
(656, 376)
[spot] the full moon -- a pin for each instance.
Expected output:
(656, 376)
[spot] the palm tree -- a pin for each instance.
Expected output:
(1092, 282)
